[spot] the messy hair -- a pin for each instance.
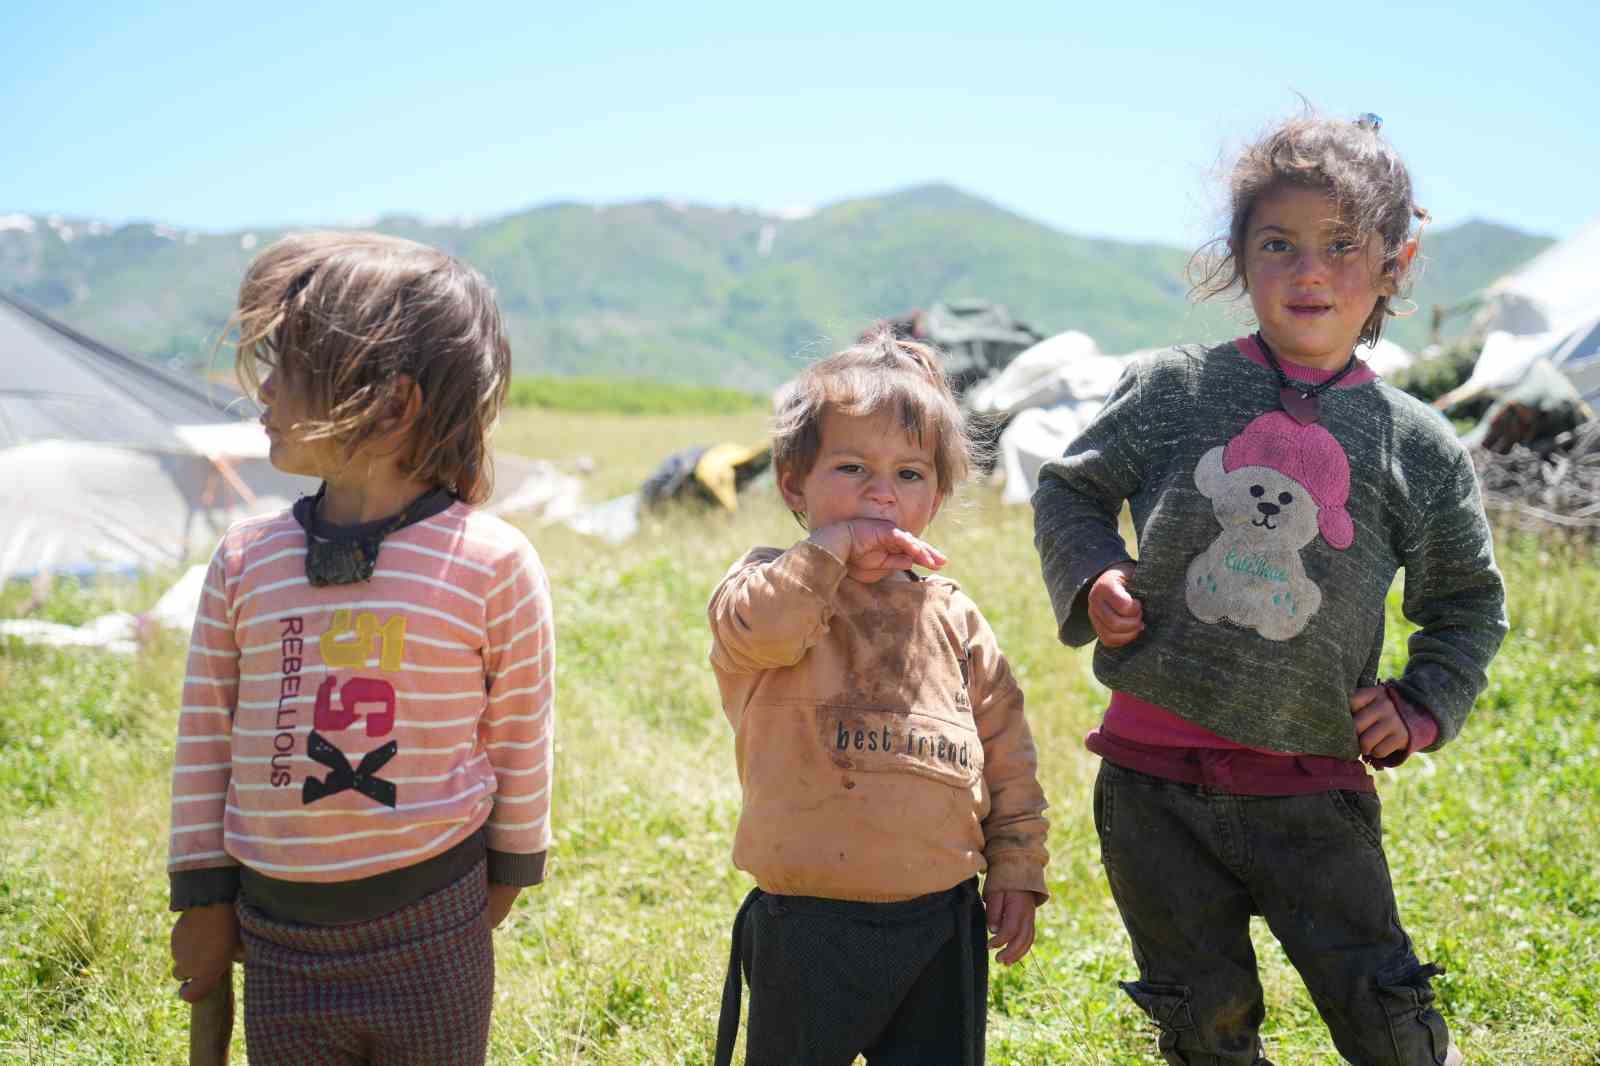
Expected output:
(1350, 162)
(880, 372)
(347, 318)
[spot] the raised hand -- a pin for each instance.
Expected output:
(872, 548)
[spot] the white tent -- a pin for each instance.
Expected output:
(110, 465)
(1548, 309)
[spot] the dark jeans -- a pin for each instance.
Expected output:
(901, 983)
(1189, 865)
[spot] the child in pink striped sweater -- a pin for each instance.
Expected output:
(362, 778)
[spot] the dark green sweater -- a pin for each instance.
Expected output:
(1266, 548)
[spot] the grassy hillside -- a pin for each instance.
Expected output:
(696, 294)
(618, 959)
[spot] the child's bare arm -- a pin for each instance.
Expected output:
(501, 900)
(205, 942)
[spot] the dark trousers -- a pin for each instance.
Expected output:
(901, 983)
(1189, 865)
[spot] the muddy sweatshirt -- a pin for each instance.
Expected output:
(879, 734)
(342, 733)
(1267, 548)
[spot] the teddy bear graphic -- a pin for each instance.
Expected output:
(1273, 488)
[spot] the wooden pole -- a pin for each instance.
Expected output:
(211, 1025)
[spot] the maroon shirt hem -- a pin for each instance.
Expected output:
(1237, 770)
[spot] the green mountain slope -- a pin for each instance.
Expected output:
(700, 294)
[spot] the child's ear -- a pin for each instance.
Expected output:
(405, 407)
(789, 488)
(1398, 269)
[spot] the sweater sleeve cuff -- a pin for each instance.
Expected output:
(1014, 874)
(514, 868)
(814, 568)
(1422, 728)
(203, 887)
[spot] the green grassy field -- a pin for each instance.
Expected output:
(619, 957)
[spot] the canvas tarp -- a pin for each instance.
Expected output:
(1046, 396)
(108, 464)
(1549, 309)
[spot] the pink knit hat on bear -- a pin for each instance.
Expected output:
(1309, 455)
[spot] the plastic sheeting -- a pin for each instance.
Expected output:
(83, 508)
(1036, 435)
(1549, 309)
(1067, 366)
(118, 631)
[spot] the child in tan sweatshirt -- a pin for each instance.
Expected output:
(882, 750)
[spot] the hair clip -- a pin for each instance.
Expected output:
(1368, 121)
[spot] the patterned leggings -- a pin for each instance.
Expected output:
(412, 987)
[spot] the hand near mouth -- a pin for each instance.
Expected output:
(874, 548)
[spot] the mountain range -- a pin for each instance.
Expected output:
(685, 292)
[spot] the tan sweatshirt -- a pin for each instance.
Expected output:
(880, 738)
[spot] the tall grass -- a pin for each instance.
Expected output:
(618, 958)
(629, 397)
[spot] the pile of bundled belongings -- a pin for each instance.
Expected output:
(1532, 413)
(1558, 488)
(979, 339)
(713, 475)
(708, 476)
(1044, 399)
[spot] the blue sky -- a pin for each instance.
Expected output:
(1105, 119)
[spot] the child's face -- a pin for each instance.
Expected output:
(285, 404)
(1311, 286)
(867, 467)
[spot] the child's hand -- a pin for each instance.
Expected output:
(872, 548)
(1010, 917)
(501, 897)
(1116, 616)
(205, 941)
(1378, 723)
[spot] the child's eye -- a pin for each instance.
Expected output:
(849, 468)
(1341, 247)
(1275, 244)
(910, 475)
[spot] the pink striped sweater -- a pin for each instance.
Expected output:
(337, 733)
